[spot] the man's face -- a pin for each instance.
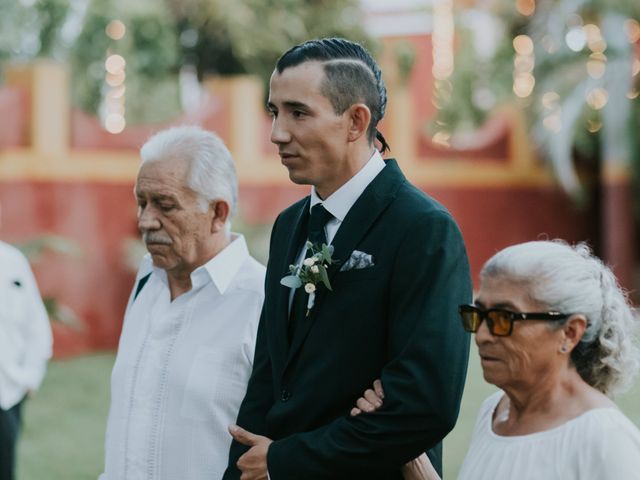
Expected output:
(177, 233)
(312, 140)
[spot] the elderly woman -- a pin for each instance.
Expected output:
(555, 333)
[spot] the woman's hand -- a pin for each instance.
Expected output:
(370, 401)
(417, 469)
(420, 469)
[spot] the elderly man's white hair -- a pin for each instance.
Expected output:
(212, 174)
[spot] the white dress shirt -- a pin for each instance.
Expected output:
(182, 370)
(25, 332)
(340, 202)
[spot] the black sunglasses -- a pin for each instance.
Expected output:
(499, 320)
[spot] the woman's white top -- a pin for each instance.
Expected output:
(600, 444)
(25, 333)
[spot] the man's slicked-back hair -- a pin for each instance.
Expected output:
(351, 76)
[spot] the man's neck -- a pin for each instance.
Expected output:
(180, 280)
(354, 162)
(178, 284)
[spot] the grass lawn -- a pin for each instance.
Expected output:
(64, 422)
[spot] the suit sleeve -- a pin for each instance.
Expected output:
(259, 396)
(423, 378)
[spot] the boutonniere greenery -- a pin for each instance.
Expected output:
(311, 272)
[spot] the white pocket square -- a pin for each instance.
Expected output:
(357, 261)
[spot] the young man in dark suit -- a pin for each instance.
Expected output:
(398, 272)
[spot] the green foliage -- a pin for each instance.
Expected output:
(216, 36)
(405, 55)
(150, 48)
(561, 74)
(248, 36)
(64, 423)
(313, 269)
(34, 249)
(31, 28)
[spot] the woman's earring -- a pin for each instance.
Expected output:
(564, 348)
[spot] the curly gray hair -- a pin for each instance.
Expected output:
(570, 279)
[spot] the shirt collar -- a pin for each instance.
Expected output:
(340, 202)
(220, 269)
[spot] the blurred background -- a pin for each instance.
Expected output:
(521, 116)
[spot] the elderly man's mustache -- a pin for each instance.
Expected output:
(156, 237)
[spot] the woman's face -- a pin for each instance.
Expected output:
(530, 354)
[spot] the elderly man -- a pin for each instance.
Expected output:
(186, 349)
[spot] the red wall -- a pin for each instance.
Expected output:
(98, 217)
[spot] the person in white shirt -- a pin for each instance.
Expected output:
(556, 334)
(25, 347)
(187, 344)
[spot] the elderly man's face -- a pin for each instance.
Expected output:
(178, 234)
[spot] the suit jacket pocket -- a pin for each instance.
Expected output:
(359, 275)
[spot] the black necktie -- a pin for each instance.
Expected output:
(317, 221)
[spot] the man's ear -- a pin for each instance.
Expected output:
(221, 212)
(359, 119)
(573, 331)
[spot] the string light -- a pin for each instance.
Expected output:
(576, 38)
(597, 98)
(523, 63)
(550, 100)
(594, 125)
(553, 113)
(596, 65)
(113, 106)
(553, 122)
(632, 29)
(442, 138)
(595, 40)
(443, 60)
(442, 38)
(526, 7)
(116, 30)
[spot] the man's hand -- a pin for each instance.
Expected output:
(253, 464)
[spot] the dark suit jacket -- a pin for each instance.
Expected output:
(396, 321)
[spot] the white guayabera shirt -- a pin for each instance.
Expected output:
(25, 333)
(182, 370)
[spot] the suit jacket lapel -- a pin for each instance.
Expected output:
(296, 240)
(356, 224)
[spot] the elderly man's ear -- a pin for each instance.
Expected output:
(221, 212)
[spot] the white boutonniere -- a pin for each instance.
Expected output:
(311, 272)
